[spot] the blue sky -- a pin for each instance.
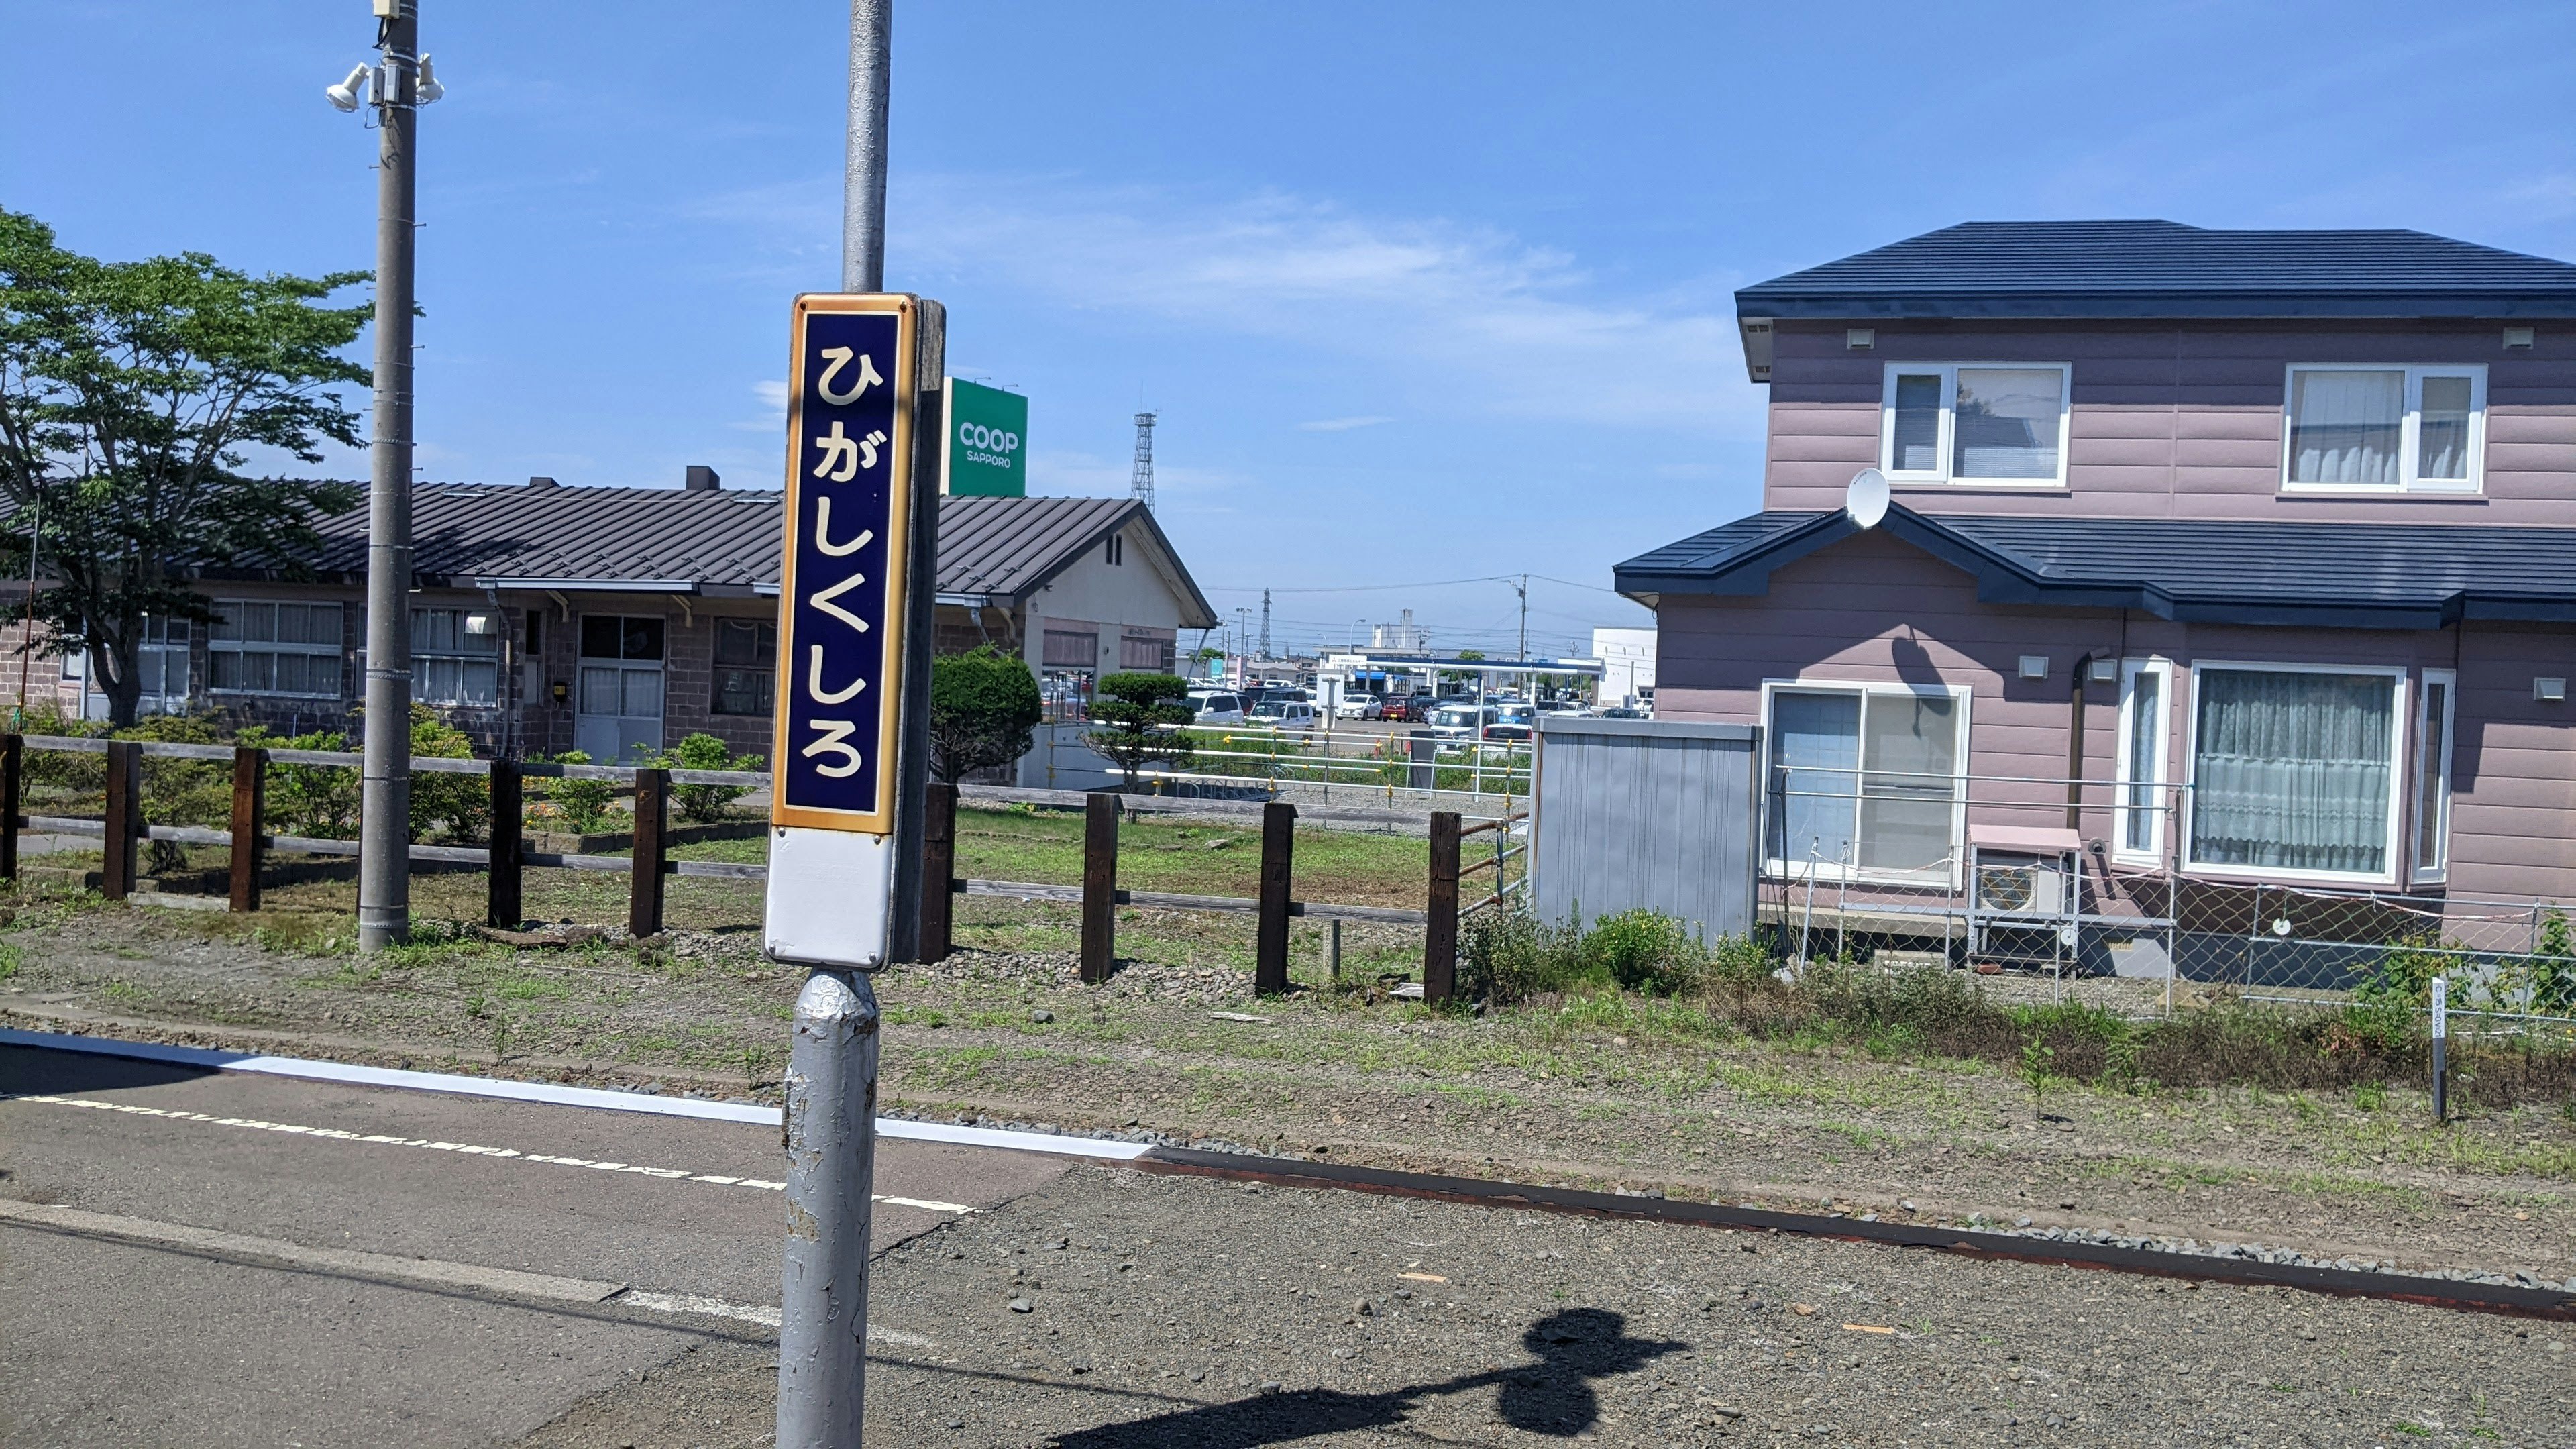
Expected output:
(1422, 292)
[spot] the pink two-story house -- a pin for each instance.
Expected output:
(2244, 557)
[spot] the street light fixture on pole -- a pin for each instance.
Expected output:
(402, 83)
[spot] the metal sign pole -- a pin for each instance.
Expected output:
(835, 796)
(2441, 1044)
(855, 405)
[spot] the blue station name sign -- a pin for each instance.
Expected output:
(849, 503)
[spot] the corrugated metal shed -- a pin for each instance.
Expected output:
(1658, 815)
(2249, 571)
(2101, 269)
(721, 540)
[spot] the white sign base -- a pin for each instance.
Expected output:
(829, 896)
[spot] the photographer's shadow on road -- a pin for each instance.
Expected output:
(1553, 1396)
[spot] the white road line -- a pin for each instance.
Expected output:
(433, 1272)
(550, 1093)
(296, 1255)
(462, 1149)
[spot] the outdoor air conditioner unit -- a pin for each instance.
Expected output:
(2010, 883)
(2025, 893)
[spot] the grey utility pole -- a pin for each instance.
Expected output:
(832, 1060)
(384, 819)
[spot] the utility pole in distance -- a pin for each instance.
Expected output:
(384, 816)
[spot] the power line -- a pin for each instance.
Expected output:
(1427, 584)
(1353, 588)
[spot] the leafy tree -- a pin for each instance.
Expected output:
(983, 703)
(1141, 711)
(129, 392)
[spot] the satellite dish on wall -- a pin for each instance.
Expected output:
(1866, 501)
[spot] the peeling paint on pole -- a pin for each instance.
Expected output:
(831, 1167)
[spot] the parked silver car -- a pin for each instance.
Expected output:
(1217, 706)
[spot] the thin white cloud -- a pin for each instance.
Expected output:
(1468, 318)
(772, 393)
(1341, 425)
(2550, 195)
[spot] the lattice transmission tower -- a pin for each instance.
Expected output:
(1140, 484)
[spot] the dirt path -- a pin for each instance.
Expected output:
(1117, 1309)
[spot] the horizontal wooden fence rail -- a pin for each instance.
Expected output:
(651, 862)
(423, 764)
(1165, 900)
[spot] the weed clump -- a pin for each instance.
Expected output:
(1638, 969)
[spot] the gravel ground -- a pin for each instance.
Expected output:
(1117, 1308)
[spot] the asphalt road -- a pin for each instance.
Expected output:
(107, 1340)
(1084, 1307)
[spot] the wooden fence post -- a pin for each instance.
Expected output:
(1099, 886)
(124, 818)
(939, 871)
(1440, 932)
(13, 795)
(1270, 950)
(250, 811)
(502, 908)
(652, 849)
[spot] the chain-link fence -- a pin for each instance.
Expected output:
(2074, 882)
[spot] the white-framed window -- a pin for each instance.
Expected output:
(2001, 423)
(456, 656)
(265, 646)
(2146, 709)
(2295, 771)
(2382, 427)
(746, 665)
(1867, 781)
(2434, 711)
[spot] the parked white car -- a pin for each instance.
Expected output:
(1294, 715)
(1355, 706)
(1217, 706)
(1461, 721)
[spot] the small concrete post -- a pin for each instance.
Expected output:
(1440, 931)
(503, 907)
(250, 810)
(1099, 886)
(124, 818)
(652, 853)
(1270, 951)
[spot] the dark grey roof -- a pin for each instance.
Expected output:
(2333, 575)
(2100, 269)
(719, 540)
(462, 532)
